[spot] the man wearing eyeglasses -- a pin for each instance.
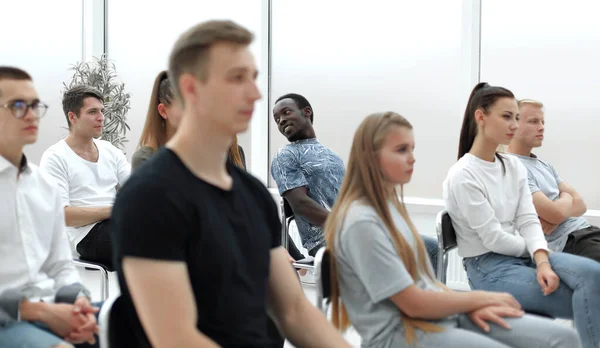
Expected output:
(88, 172)
(42, 302)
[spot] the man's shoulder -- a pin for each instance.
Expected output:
(108, 146)
(532, 162)
(56, 150)
(251, 182)
(286, 151)
(43, 183)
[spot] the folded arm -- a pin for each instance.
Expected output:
(481, 217)
(553, 211)
(81, 216)
(305, 206)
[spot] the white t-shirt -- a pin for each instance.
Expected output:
(489, 206)
(83, 183)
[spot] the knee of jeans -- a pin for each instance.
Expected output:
(63, 345)
(564, 337)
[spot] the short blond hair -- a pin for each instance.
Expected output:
(190, 52)
(533, 102)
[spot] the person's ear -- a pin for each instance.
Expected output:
(72, 117)
(480, 117)
(307, 111)
(162, 110)
(187, 88)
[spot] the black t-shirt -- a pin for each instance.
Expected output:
(164, 212)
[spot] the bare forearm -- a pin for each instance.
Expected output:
(307, 327)
(436, 305)
(579, 207)
(540, 256)
(564, 205)
(80, 216)
(311, 211)
(32, 311)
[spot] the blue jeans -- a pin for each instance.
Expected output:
(29, 334)
(24, 334)
(577, 297)
(431, 245)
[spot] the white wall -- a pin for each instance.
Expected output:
(44, 38)
(350, 59)
(550, 51)
(401, 56)
(142, 33)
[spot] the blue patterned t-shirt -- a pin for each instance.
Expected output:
(308, 163)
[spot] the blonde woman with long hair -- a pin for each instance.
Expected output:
(383, 282)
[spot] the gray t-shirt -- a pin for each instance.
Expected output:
(308, 163)
(140, 156)
(371, 271)
(541, 176)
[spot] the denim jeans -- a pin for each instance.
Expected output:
(529, 331)
(577, 297)
(431, 245)
(24, 334)
(30, 334)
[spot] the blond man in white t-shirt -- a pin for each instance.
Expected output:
(88, 172)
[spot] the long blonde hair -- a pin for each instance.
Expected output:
(364, 181)
(234, 154)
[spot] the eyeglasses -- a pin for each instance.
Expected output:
(19, 108)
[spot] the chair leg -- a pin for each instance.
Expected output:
(104, 284)
(440, 265)
(443, 269)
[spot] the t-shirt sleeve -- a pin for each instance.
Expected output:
(532, 182)
(52, 166)
(374, 259)
(139, 157)
(556, 176)
(272, 218)
(123, 167)
(286, 172)
(148, 223)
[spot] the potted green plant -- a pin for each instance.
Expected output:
(101, 73)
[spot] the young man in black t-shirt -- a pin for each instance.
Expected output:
(196, 239)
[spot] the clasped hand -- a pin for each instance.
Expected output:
(76, 323)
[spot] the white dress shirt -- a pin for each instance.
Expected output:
(35, 256)
(489, 203)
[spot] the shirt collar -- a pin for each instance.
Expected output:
(306, 141)
(5, 165)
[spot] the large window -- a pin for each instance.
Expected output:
(550, 51)
(45, 39)
(350, 59)
(141, 36)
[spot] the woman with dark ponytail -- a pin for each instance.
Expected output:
(498, 231)
(162, 120)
